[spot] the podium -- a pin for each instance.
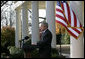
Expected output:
(28, 49)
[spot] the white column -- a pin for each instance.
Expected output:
(24, 20)
(50, 17)
(35, 22)
(77, 46)
(18, 28)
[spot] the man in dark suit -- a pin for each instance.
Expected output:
(45, 41)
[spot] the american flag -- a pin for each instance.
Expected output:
(66, 17)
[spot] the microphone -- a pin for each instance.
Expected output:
(26, 37)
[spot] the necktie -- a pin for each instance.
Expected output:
(42, 35)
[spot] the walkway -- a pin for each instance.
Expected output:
(65, 50)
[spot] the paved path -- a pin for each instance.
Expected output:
(65, 50)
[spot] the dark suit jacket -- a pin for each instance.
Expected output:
(45, 44)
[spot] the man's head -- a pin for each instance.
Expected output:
(44, 26)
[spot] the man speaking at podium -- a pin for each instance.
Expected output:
(45, 41)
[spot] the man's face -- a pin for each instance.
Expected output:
(43, 27)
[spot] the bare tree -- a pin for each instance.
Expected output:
(7, 16)
(4, 18)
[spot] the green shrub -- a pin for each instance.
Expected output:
(7, 35)
(65, 39)
(54, 52)
(16, 52)
(35, 53)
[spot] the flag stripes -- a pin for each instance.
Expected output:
(65, 16)
(70, 15)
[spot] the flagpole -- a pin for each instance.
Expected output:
(60, 41)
